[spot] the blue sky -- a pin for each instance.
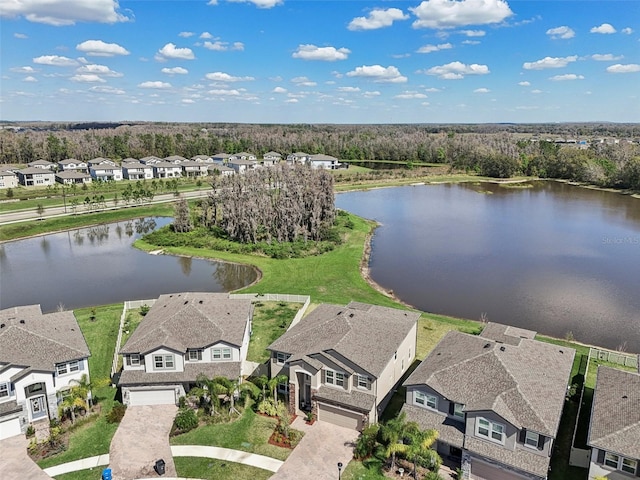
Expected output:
(301, 61)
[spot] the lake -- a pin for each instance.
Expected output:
(99, 265)
(554, 258)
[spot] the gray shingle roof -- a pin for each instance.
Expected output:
(615, 415)
(190, 374)
(525, 384)
(31, 339)
(506, 333)
(354, 399)
(65, 174)
(181, 321)
(519, 458)
(32, 170)
(367, 335)
(7, 408)
(449, 431)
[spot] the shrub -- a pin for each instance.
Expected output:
(116, 413)
(31, 431)
(366, 443)
(144, 309)
(268, 407)
(182, 402)
(185, 420)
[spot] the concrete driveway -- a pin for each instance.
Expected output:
(15, 463)
(318, 454)
(141, 439)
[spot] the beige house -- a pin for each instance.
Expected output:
(44, 164)
(344, 362)
(193, 168)
(183, 336)
(71, 164)
(614, 430)
(8, 179)
(36, 177)
(495, 400)
(69, 177)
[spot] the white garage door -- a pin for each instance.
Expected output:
(338, 416)
(9, 428)
(152, 397)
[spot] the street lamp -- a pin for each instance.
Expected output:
(339, 469)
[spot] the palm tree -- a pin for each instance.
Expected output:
(273, 386)
(393, 432)
(419, 447)
(208, 390)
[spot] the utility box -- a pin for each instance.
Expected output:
(160, 467)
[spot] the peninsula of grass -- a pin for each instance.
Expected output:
(212, 469)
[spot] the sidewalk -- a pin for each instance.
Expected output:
(83, 464)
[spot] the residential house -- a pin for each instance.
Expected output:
(191, 168)
(8, 179)
(202, 158)
(151, 160)
(242, 156)
(323, 161)
(298, 157)
(221, 158)
(175, 159)
(271, 158)
(71, 164)
(217, 169)
(137, 170)
(41, 355)
(35, 177)
(614, 430)
(241, 166)
(69, 177)
(184, 335)
(44, 164)
(166, 170)
(104, 169)
(344, 362)
(495, 399)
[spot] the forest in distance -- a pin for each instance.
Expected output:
(603, 154)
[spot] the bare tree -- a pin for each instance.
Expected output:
(182, 216)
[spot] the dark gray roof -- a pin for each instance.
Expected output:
(524, 384)
(135, 164)
(175, 158)
(615, 415)
(506, 333)
(99, 160)
(29, 338)
(72, 174)
(367, 335)
(354, 400)
(40, 162)
(31, 170)
(164, 164)
(190, 375)
(7, 408)
(321, 157)
(519, 458)
(181, 321)
(449, 430)
(68, 161)
(239, 161)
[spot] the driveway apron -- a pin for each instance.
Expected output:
(318, 453)
(15, 463)
(141, 439)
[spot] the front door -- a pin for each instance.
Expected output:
(38, 407)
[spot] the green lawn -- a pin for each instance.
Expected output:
(89, 474)
(249, 433)
(211, 469)
(370, 469)
(94, 437)
(270, 321)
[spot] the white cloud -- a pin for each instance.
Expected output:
(204, 35)
(457, 70)
(175, 71)
(628, 68)
(98, 48)
(327, 54)
(371, 94)
(292, 100)
(55, 60)
(303, 82)
(407, 95)
(217, 46)
(606, 57)
(212, 2)
(536, 91)
(626, 31)
(63, 12)
(549, 62)
(432, 90)
(473, 33)
(157, 85)
(470, 42)
(279, 90)
(565, 77)
(226, 78)
(348, 89)
(377, 18)
(224, 92)
(186, 34)
(87, 78)
(107, 89)
(188, 100)
(378, 73)
(98, 70)
(481, 90)
(29, 79)
(22, 36)
(524, 84)
(170, 51)
(237, 46)
(27, 69)
(257, 3)
(563, 33)
(458, 13)
(434, 48)
(605, 28)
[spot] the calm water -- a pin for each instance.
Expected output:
(553, 258)
(98, 265)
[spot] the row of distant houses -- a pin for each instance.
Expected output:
(42, 173)
(496, 399)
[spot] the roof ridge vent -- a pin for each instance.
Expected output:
(22, 321)
(486, 345)
(502, 348)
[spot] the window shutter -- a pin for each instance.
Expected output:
(451, 407)
(128, 359)
(199, 354)
(600, 456)
(540, 442)
(523, 435)
(80, 365)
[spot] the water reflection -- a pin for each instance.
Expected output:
(185, 265)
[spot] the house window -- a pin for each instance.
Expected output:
(163, 362)
(4, 390)
(531, 439)
(134, 360)
(62, 369)
(458, 410)
(611, 460)
(334, 378)
(363, 382)
(629, 465)
(620, 463)
(426, 400)
(281, 358)
(194, 355)
(74, 366)
(283, 388)
(221, 354)
(490, 430)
